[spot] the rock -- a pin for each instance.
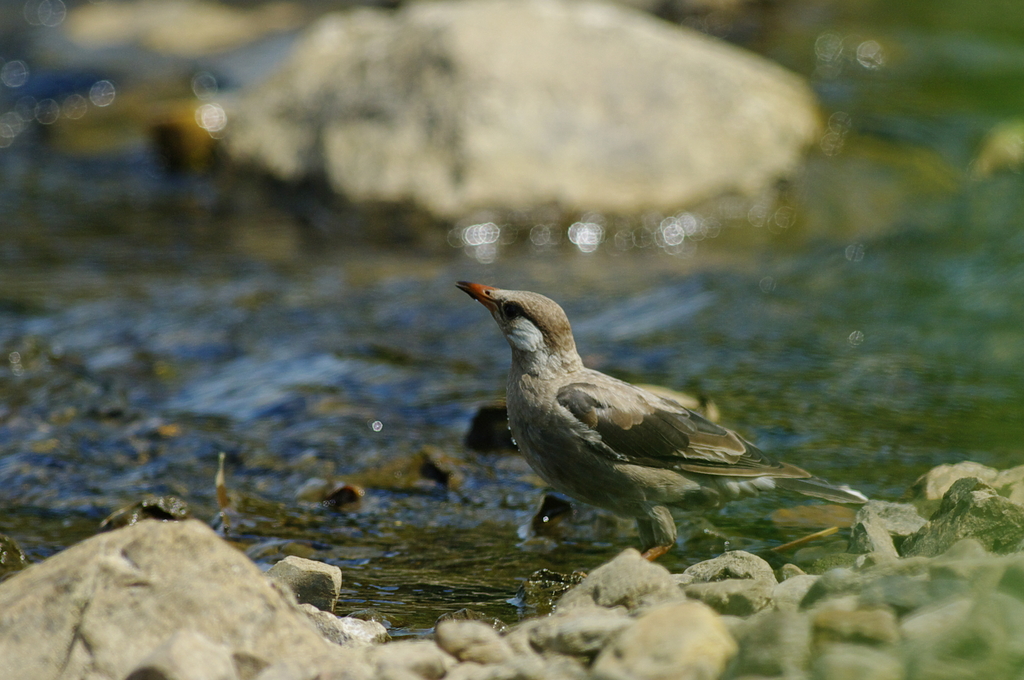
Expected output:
(773, 643)
(454, 107)
(628, 580)
(735, 597)
(312, 582)
(861, 626)
(791, 592)
(489, 429)
(970, 508)
(878, 522)
(583, 632)
(187, 655)
(735, 583)
(466, 614)
(833, 583)
(736, 564)
(676, 640)
(345, 630)
(472, 641)
(856, 662)
(933, 485)
(411, 659)
(107, 603)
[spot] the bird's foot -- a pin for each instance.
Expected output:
(654, 553)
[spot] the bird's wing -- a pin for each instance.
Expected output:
(636, 426)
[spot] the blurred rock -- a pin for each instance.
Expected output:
(628, 581)
(312, 582)
(1002, 149)
(856, 662)
(343, 497)
(466, 614)
(577, 632)
(185, 28)
(425, 469)
(970, 509)
(472, 641)
(773, 643)
(676, 640)
(107, 603)
(412, 659)
(187, 655)
(460, 106)
(736, 583)
(874, 626)
(163, 508)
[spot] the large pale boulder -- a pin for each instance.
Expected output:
(518, 104)
(148, 596)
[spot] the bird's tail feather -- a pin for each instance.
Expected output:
(819, 488)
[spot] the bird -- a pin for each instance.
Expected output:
(618, 446)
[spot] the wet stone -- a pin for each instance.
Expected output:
(12, 557)
(489, 429)
(544, 587)
(465, 614)
(164, 508)
(312, 582)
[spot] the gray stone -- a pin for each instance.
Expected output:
(457, 106)
(856, 662)
(791, 592)
(472, 641)
(187, 655)
(628, 580)
(772, 643)
(970, 508)
(677, 640)
(583, 632)
(735, 597)
(105, 604)
(345, 630)
(312, 582)
(736, 564)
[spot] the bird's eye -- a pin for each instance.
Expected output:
(512, 310)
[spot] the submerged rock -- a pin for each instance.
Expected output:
(455, 107)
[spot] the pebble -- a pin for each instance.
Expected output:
(312, 582)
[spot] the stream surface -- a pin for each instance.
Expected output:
(866, 323)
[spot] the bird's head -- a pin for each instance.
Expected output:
(535, 326)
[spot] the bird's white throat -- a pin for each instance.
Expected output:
(525, 336)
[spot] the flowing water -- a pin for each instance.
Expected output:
(865, 322)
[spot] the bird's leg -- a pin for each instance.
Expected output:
(654, 553)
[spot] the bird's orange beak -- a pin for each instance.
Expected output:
(480, 293)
